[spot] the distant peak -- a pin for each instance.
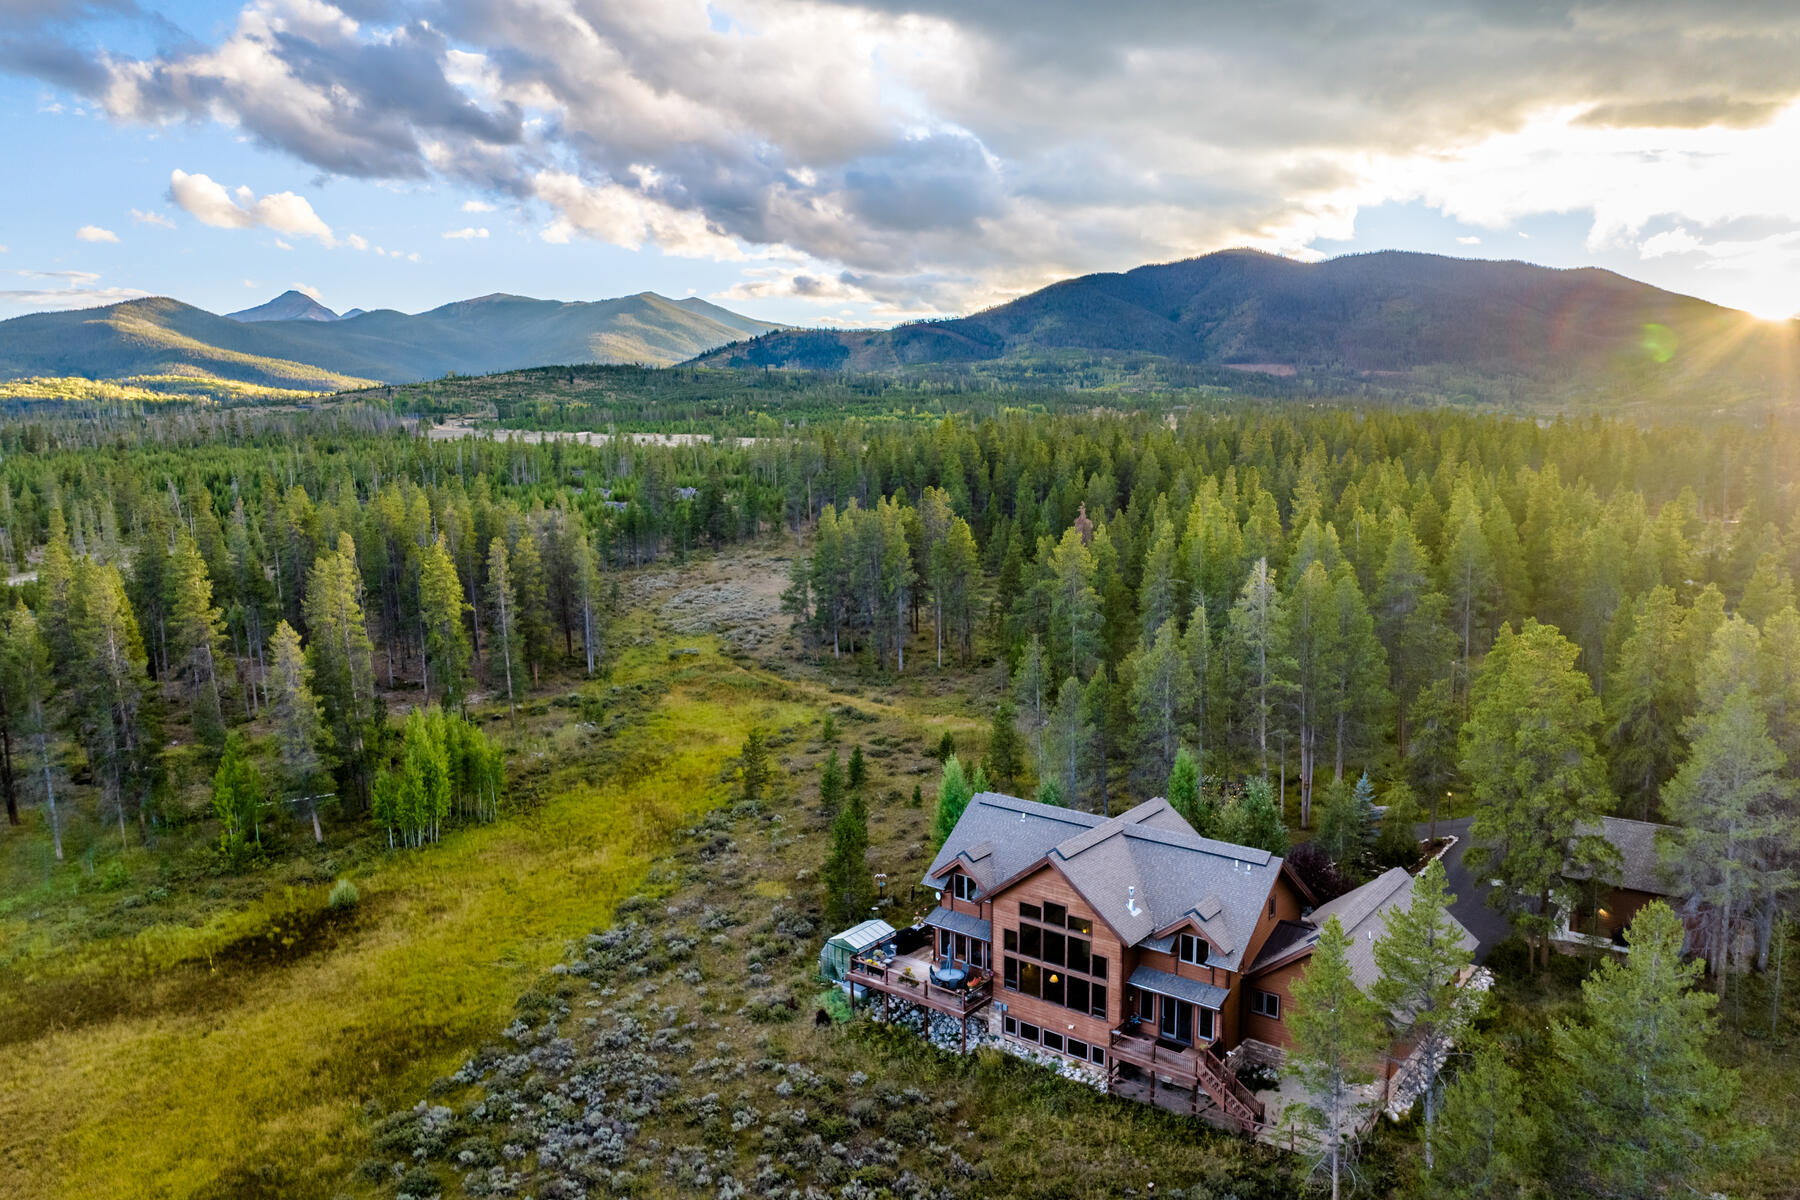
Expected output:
(291, 305)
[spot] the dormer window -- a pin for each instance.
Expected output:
(1192, 949)
(962, 887)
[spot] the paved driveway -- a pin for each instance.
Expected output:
(1471, 908)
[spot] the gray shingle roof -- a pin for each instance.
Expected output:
(1636, 843)
(1163, 983)
(959, 922)
(1142, 871)
(999, 836)
(1363, 914)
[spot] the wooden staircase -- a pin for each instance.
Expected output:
(1198, 1070)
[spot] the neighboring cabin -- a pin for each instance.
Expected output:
(1606, 904)
(1156, 958)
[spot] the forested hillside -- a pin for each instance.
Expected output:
(1403, 322)
(160, 336)
(221, 619)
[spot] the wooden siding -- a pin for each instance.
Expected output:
(1049, 883)
(1281, 982)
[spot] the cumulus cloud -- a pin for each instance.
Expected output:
(161, 220)
(210, 204)
(466, 234)
(93, 233)
(942, 154)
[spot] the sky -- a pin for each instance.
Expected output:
(863, 162)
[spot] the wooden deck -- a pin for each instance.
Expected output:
(1197, 1074)
(891, 980)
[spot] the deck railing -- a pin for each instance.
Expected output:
(891, 979)
(1199, 1067)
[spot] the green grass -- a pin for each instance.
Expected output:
(225, 1075)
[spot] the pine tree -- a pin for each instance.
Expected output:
(1356, 703)
(27, 690)
(1157, 587)
(1540, 788)
(1309, 653)
(1075, 614)
(954, 794)
(1071, 742)
(342, 660)
(110, 685)
(1184, 793)
(1648, 694)
(1420, 954)
(1337, 1034)
(503, 613)
(535, 632)
(754, 770)
(959, 567)
(237, 796)
(1642, 1109)
(299, 725)
(1398, 843)
(1002, 760)
(1196, 650)
(197, 639)
(1255, 625)
(1158, 698)
(1468, 576)
(1253, 819)
(1033, 693)
(831, 785)
(858, 775)
(1730, 801)
(1410, 621)
(849, 884)
(1485, 1136)
(441, 611)
(1347, 831)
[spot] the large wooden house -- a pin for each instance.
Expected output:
(1130, 945)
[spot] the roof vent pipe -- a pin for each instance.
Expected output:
(1131, 904)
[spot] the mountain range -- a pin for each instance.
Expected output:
(1381, 317)
(295, 342)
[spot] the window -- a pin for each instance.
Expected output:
(1204, 1024)
(1099, 1056)
(1265, 1004)
(1079, 957)
(1053, 1041)
(962, 887)
(1146, 1005)
(1077, 1048)
(1193, 949)
(1055, 964)
(1271, 904)
(1012, 1026)
(1028, 1031)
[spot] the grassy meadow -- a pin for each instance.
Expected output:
(234, 1056)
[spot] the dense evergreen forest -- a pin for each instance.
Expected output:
(1309, 596)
